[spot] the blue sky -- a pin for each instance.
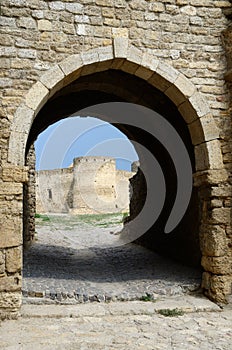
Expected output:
(74, 137)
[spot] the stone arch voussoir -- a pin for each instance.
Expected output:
(123, 56)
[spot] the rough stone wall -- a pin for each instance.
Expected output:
(52, 190)
(92, 185)
(185, 34)
(29, 200)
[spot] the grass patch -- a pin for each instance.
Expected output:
(102, 220)
(170, 312)
(69, 222)
(42, 216)
(147, 297)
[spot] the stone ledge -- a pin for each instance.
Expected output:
(183, 303)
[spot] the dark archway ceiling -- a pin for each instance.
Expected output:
(110, 86)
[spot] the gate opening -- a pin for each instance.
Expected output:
(111, 86)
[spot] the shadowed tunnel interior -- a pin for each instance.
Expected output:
(115, 86)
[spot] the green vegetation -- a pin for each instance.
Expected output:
(41, 216)
(147, 297)
(69, 222)
(171, 312)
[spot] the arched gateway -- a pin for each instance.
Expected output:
(79, 73)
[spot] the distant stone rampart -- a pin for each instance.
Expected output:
(91, 185)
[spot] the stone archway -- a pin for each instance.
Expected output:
(121, 56)
(191, 105)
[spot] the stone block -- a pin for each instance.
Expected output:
(181, 90)
(89, 57)
(208, 155)
(143, 73)
(159, 82)
(11, 300)
(14, 259)
(221, 191)
(89, 69)
(221, 284)
(134, 55)
(199, 104)
(222, 3)
(26, 22)
(10, 231)
(164, 77)
(17, 145)
(221, 215)
(75, 8)
(157, 7)
(167, 72)
(10, 206)
(187, 111)
(56, 5)
(72, 77)
(53, 79)
(148, 61)
(129, 67)
(14, 174)
(217, 265)
(120, 45)
(37, 96)
(105, 53)
(7, 189)
(5, 82)
(213, 240)
(38, 14)
(71, 64)
(189, 10)
(203, 129)
(212, 177)
(81, 19)
(7, 22)
(27, 53)
(23, 119)
(119, 32)
(10, 283)
(81, 29)
(148, 67)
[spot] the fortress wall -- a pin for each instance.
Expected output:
(53, 187)
(91, 186)
(94, 185)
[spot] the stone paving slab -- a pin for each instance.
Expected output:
(111, 326)
(185, 303)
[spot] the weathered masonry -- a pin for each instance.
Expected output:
(91, 185)
(172, 56)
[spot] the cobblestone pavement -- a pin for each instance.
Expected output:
(78, 261)
(121, 325)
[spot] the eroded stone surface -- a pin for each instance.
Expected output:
(129, 325)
